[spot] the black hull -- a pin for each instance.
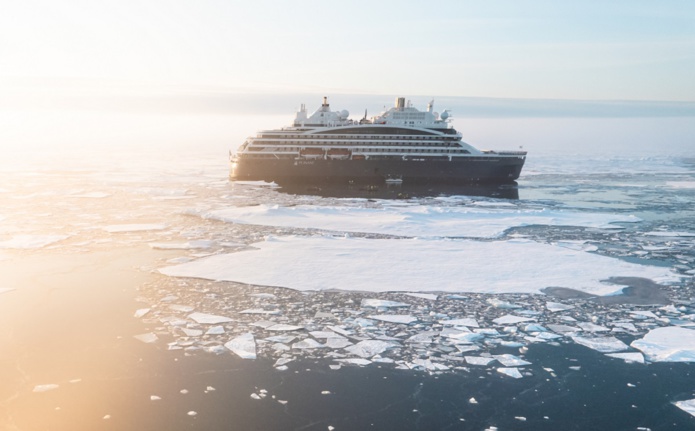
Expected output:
(465, 171)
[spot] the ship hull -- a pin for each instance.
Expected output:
(465, 170)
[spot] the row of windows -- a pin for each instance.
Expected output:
(366, 142)
(368, 150)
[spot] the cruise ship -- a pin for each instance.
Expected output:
(402, 144)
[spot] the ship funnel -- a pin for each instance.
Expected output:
(325, 101)
(400, 103)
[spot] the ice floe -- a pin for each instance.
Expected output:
(511, 372)
(134, 227)
(244, 346)
(31, 241)
(669, 344)
(302, 263)
(687, 406)
(414, 220)
(209, 319)
(601, 344)
(46, 387)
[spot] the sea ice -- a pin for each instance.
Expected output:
(467, 321)
(510, 360)
(394, 318)
(31, 241)
(601, 344)
(375, 303)
(118, 228)
(209, 319)
(147, 338)
(308, 343)
(669, 344)
(509, 319)
(244, 346)
(511, 372)
(413, 220)
(687, 406)
(416, 265)
(479, 360)
(554, 307)
(628, 357)
(45, 388)
(369, 348)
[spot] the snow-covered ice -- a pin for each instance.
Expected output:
(601, 344)
(31, 241)
(209, 319)
(687, 406)
(417, 266)
(244, 346)
(669, 344)
(414, 220)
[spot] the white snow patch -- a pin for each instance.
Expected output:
(416, 265)
(413, 220)
(601, 344)
(669, 344)
(134, 227)
(210, 319)
(31, 241)
(244, 346)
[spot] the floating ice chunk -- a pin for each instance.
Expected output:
(394, 318)
(155, 398)
(467, 321)
(467, 338)
(428, 365)
(355, 361)
(200, 244)
(45, 388)
(182, 308)
(671, 234)
(192, 332)
(244, 346)
(323, 315)
(281, 327)
(422, 338)
(209, 319)
(591, 327)
(430, 296)
(375, 303)
(118, 228)
(554, 307)
(510, 360)
(215, 330)
(479, 360)
(91, 195)
(337, 342)
(282, 361)
(147, 338)
(498, 303)
(259, 311)
(641, 313)
(308, 343)
(511, 372)
(138, 313)
(687, 406)
(625, 325)
(341, 331)
(31, 241)
(510, 319)
(282, 338)
(628, 357)
(563, 328)
(669, 344)
(601, 344)
(418, 265)
(369, 348)
(472, 400)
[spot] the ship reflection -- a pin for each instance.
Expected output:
(399, 190)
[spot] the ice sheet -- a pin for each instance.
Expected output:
(687, 406)
(669, 344)
(244, 346)
(31, 241)
(118, 228)
(414, 220)
(601, 344)
(416, 265)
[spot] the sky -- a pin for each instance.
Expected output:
(537, 49)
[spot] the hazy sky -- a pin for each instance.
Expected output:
(627, 50)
